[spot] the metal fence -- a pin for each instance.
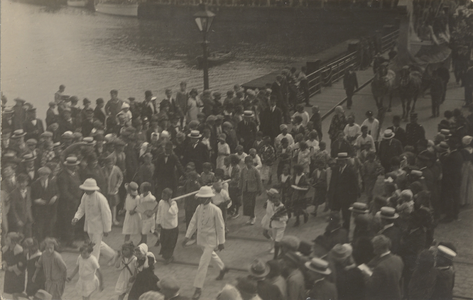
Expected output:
(334, 71)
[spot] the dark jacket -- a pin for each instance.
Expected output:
(414, 132)
(99, 115)
(270, 121)
(387, 150)
(399, 134)
(247, 132)
(444, 283)
(350, 82)
(69, 191)
(384, 283)
(198, 155)
(165, 172)
(394, 233)
(343, 189)
(323, 290)
(33, 131)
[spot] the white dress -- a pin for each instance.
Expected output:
(132, 223)
(222, 148)
(123, 283)
(88, 281)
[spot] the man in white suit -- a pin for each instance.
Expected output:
(98, 218)
(208, 222)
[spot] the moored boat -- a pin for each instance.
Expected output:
(118, 8)
(77, 3)
(215, 58)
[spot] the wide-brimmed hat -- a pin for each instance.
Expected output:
(318, 265)
(445, 132)
(28, 157)
(388, 134)
(340, 252)
(342, 155)
(248, 113)
(388, 213)
(44, 171)
(43, 295)
(68, 135)
(359, 207)
(205, 192)
(18, 134)
(258, 268)
(195, 134)
(89, 185)
(89, 140)
(71, 161)
(19, 100)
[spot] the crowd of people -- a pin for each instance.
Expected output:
(124, 162)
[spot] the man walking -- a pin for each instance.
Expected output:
(208, 222)
(350, 84)
(98, 218)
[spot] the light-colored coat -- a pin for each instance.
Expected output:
(208, 222)
(98, 218)
(115, 179)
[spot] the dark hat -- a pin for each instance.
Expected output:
(318, 265)
(247, 286)
(413, 115)
(31, 109)
(119, 142)
(291, 257)
(19, 100)
(169, 283)
(369, 113)
(46, 134)
(258, 268)
(67, 135)
(291, 242)
(44, 171)
(388, 213)
(31, 142)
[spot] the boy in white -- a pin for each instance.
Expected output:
(166, 220)
(221, 199)
(148, 223)
(275, 219)
(98, 218)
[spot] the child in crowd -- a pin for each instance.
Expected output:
(147, 217)
(219, 177)
(323, 154)
(283, 153)
(90, 277)
(20, 217)
(54, 269)
(319, 182)
(207, 176)
(206, 141)
(114, 178)
(223, 150)
(14, 264)
(285, 184)
(32, 257)
(132, 222)
(234, 190)
(241, 155)
(303, 157)
(146, 171)
(274, 221)
(144, 279)
(126, 263)
(370, 170)
(221, 199)
(167, 221)
(258, 141)
(300, 186)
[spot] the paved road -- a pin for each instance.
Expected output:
(246, 242)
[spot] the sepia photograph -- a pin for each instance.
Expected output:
(236, 149)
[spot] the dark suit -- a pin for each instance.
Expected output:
(399, 134)
(20, 210)
(44, 215)
(350, 84)
(165, 173)
(394, 233)
(341, 145)
(70, 125)
(277, 91)
(197, 154)
(147, 111)
(247, 131)
(323, 290)
(68, 202)
(387, 150)
(270, 121)
(414, 132)
(384, 283)
(33, 131)
(51, 117)
(343, 192)
(99, 115)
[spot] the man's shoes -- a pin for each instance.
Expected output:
(158, 243)
(251, 221)
(222, 273)
(197, 293)
(235, 216)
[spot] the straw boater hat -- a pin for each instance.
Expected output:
(18, 134)
(388, 213)
(341, 252)
(28, 157)
(205, 192)
(359, 207)
(222, 137)
(445, 132)
(43, 295)
(67, 135)
(388, 134)
(89, 140)
(446, 252)
(318, 265)
(89, 185)
(71, 161)
(46, 134)
(248, 113)
(195, 134)
(442, 147)
(342, 155)
(258, 268)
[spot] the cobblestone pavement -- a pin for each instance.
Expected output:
(247, 242)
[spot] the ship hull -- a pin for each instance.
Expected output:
(77, 3)
(125, 10)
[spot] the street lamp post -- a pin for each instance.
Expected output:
(203, 19)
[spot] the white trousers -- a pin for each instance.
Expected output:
(100, 246)
(209, 254)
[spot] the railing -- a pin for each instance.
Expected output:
(334, 71)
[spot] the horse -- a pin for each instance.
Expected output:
(410, 87)
(382, 86)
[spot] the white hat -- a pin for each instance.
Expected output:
(388, 134)
(125, 105)
(205, 192)
(89, 185)
(195, 134)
